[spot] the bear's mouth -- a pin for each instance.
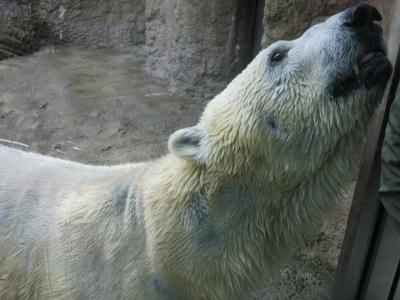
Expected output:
(372, 69)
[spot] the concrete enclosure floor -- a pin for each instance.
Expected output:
(99, 106)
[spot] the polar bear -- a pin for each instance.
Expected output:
(235, 195)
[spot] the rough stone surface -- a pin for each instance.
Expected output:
(20, 31)
(101, 23)
(285, 20)
(198, 46)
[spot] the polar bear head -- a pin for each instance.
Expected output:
(296, 100)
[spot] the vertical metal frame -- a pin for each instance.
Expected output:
(381, 272)
(366, 214)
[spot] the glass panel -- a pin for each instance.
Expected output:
(110, 83)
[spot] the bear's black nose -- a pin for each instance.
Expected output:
(360, 16)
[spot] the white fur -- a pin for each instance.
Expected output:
(238, 193)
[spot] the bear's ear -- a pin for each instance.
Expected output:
(188, 143)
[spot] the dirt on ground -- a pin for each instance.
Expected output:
(99, 107)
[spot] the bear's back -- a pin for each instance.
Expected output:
(61, 220)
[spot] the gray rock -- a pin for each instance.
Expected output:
(285, 20)
(198, 46)
(100, 23)
(20, 31)
(288, 19)
(25, 24)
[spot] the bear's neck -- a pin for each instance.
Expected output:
(207, 213)
(261, 185)
(284, 197)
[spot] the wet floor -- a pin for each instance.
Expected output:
(98, 101)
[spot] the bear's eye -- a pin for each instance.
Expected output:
(277, 57)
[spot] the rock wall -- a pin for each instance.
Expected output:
(288, 19)
(198, 46)
(94, 23)
(20, 31)
(99, 23)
